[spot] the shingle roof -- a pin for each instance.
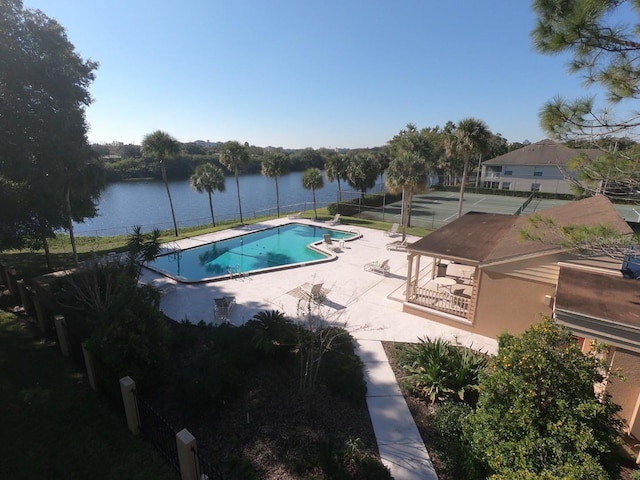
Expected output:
(483, 238)
(545, 152)
(598, 294)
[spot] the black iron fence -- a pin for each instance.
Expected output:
(158, 431)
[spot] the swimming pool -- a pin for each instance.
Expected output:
(273, 248)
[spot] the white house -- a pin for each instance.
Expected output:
(537, 167)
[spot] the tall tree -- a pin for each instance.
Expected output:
(411, 160)
(336, 170)
(382, 159)
(407, 173)
(604, 40)
(44, 85)
(362, 172)
(274, 165)
(605, 51)
(162, 145)
(470, 137)
(208, 178)
(235, 157)
(538, 415)
(83, 181)
(312, 180)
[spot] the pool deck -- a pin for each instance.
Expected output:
(367, 304)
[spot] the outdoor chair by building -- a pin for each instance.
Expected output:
(378, 267)
(329, 243)
(312, 291)
(222, 307)
(335, 220)
(393, 231)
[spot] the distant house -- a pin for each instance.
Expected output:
(537, 167)
(478, 274)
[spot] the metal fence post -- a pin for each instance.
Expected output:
(127, 388)
(63, 335)
(187, 455)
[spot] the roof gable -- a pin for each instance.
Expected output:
(483, 238)
(545, 152)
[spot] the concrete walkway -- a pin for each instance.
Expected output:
(399, 443)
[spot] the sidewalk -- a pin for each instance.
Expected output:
(399, 443)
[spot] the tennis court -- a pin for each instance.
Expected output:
(435, 209)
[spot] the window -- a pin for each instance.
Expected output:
(535, 187)
(508, 172)
(506, 185)
(537, 171)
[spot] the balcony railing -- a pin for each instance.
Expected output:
(443, 301)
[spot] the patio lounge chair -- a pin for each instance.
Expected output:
(312, 291)
(329, 243)
(222, 307)
(335, 220)
(378, 267)
(296, 216)
(393, 231)
(400, 245)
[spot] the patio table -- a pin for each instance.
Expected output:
(447, 282)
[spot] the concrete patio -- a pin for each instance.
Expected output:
(368, 304)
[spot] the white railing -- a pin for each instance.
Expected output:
(443, 301)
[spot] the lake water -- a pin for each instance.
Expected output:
(145, 203)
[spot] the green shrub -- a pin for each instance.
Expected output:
(342, 371)
(452, 447)
(438, 370)
(272, 334)
(218, 374)
(133, 338)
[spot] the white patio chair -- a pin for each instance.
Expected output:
(378, 267)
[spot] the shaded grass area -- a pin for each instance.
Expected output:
(30, 263)
(54, 425)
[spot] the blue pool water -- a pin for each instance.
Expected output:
(276, 247)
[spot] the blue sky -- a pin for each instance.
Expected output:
(309, 73)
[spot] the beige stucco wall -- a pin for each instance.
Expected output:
(507, 303)
(625, 392)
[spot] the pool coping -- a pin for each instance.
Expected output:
(315, 245)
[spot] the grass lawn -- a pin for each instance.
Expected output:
(54, 425)
(32, 263)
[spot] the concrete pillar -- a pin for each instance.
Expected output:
(23, 293)
(91, 369)
(187, 455)
(11, 283)
(63, 335)
(128, 389)
(3, 275)
(40, 312)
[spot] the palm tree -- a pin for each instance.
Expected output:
(407, 173)
(312, 180)
(470, 136)
(141, 248)
(336, 169)
(208, 178)
(234, 157)
(162, 145)
(362, 172)
(274, 165)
